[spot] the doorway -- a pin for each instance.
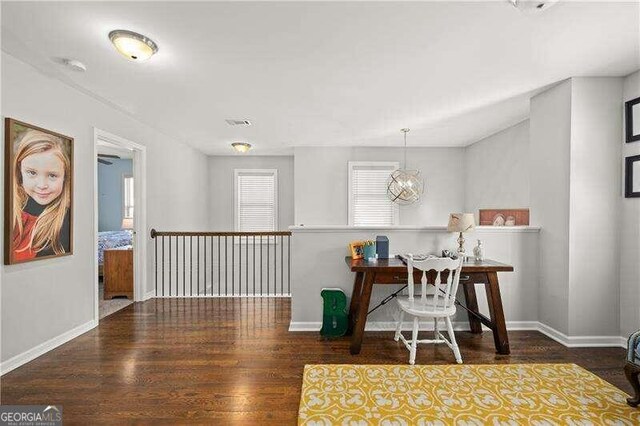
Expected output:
(119, 221)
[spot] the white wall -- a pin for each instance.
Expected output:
(630, 231)
(221, 187)
(497, 170)
(550, 138)
(321, 176)
(596, 122)
(44, 299)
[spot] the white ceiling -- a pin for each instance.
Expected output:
(326, 73)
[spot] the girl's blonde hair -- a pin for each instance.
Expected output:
(46, 231)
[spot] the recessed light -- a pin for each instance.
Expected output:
(133, 46)
(241, 146)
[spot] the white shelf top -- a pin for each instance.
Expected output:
(401, 228)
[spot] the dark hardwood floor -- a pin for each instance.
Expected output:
(231, 361)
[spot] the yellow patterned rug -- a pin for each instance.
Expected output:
(516, 394)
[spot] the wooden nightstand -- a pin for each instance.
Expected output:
(118, 272)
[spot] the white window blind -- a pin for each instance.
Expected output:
(369, 204)
(127, 193)
(256, 200)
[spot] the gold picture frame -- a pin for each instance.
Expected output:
(38, 183)
(357, 249)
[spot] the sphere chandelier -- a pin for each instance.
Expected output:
(405, 186)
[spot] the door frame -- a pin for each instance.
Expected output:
(140, 214)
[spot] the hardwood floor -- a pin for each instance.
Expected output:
(231, 361)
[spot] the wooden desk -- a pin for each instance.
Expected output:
(118, 272)
(394, 271)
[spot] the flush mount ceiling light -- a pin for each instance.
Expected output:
(133, 46)
(241, 146)
(405, 186)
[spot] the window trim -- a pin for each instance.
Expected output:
(236, 199)
(125, 176)
(393, 165)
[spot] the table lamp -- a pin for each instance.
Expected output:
(127, 223)
(461, 222)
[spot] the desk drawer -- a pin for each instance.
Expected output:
(401, 278)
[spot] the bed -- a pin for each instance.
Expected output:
(111, 239)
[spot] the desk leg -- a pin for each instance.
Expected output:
(355, 301)
(500, 337)
(361, 313)
(472, 304)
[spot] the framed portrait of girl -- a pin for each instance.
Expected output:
(38, 193)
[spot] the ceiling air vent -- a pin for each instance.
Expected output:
(238, 122)
(532, 6)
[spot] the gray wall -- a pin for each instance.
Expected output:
(497, 170)
(594, 268)
(321, 176)
(110, 193)
(221, 187)
(515, 246)
(550, 133)
(630, 232)
(575, 181)
(44, 299)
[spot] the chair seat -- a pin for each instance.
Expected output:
(424, 307)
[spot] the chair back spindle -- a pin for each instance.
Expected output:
(444, 295)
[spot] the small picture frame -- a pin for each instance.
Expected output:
(357, 249)
(632, 120)
(632, 177)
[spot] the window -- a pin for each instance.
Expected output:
(369, 204)
(256, 192)
(127, 193)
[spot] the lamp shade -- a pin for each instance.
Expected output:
(461, 222)
(127, 223)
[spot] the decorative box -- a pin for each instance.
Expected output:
(382, 247)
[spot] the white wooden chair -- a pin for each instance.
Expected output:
(438, 305)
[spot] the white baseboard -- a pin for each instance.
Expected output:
(568, 341)
(237, 296)
(406, 326)
(582, 341)
(149, 295)
(41, 349)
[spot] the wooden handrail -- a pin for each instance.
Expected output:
(155, 234)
